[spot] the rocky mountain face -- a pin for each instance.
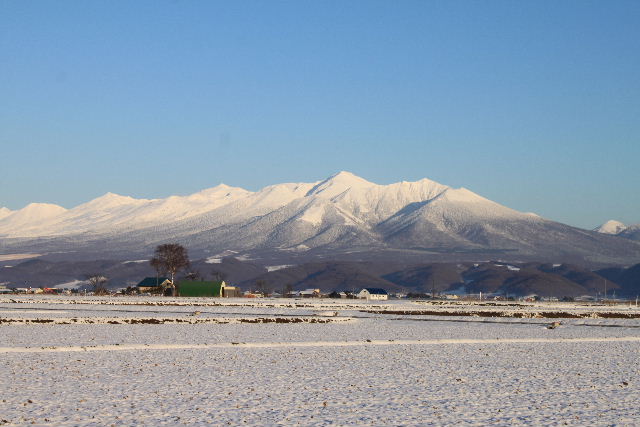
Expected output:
(341, 217)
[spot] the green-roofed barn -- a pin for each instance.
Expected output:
(193, 288)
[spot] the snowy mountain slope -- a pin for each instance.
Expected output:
(632, 232)
(4, 212)
(341, 214)
(611, 227)
(114, 212)
(30, 215)
(456, 217)
(617, 228)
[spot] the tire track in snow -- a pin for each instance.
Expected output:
(137, 347)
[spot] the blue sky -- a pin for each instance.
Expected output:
(535, 105)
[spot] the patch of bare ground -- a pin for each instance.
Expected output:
(511, 314)
(161, 321)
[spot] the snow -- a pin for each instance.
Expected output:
(33, 213)
(213, 260)
(358, 368)
(338, 184)
(478, 206)
(4, 212)
(355, 201)
(508, 266)
(611, 227)
(277, 267)
(13, 257)
(313, 214)
(287, 215)
(74, 284)
(137, 261)
(112, 211)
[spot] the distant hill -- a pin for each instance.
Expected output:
(327, 276)
(429, 278)
(627, 278)
(510, 279)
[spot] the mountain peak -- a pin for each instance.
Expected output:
(339, 183)
(219, 192)
(42, 207)
(33, 212)
(346, 176)
(611, 227)
(113, 196)
(111, 199)
(5, 212)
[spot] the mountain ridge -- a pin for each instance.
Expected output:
(341, 214)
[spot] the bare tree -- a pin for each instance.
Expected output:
(287, 290)
(170, 258)
(263, 286)
(98, 283)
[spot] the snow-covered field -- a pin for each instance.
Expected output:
(154, 361)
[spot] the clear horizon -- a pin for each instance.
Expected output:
(533, 106)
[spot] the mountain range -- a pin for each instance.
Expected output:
(341, 217)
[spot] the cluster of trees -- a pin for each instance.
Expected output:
(98, 283)
(168, 259)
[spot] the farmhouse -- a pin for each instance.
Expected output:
(309, 293)
(156, 285)
(373, 294)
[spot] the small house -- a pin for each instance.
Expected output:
(373, 294)
(309, 293)
(231, 292)
(155, 285)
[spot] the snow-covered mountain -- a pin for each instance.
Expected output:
(341, 214)
(611, 227)
(33, 213)
(112, 213)
(617, 228)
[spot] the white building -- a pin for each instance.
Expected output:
(373, 294)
